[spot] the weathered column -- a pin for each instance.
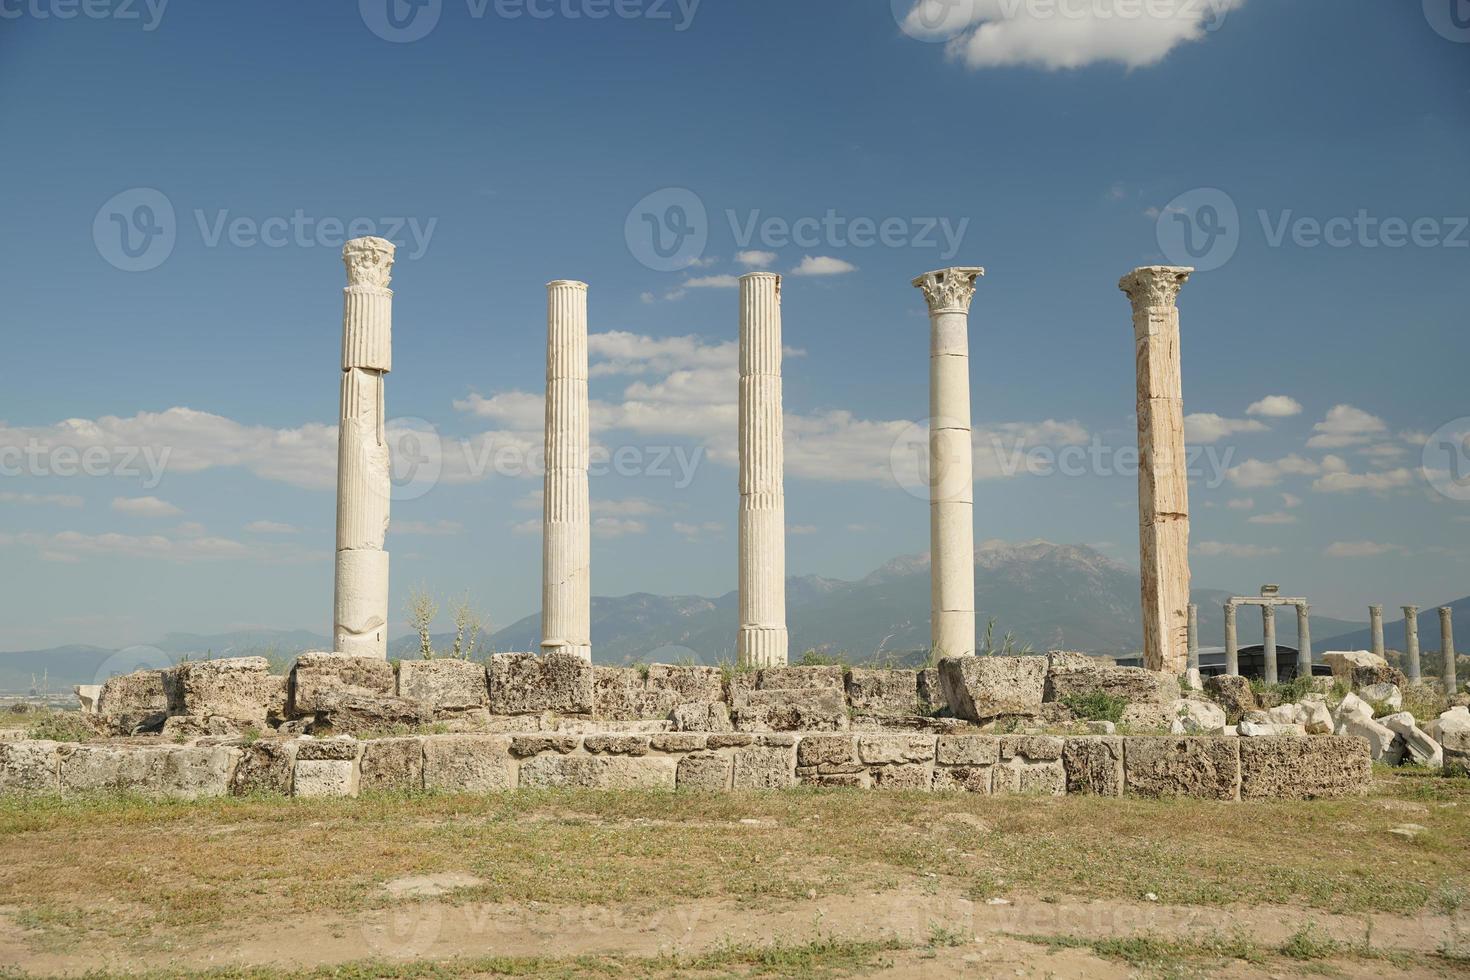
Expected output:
(566, 543)
(951, 467)
(1232, 647)
(1411, 643)
(1268, 644)
(1163, 480)
(1193, 636)
(1303, 640)
(762, 640)
(1447, 646)
(364, 474)
(1375, 628)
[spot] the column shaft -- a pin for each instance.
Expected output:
(1232, 646)
(1268, 646)
(1447, 648)
(1304, 640)
(1193, 636)
(762, 640)
(1375, 627)
(1163, 482)
(364, 465)
(566, 545)
(1411, 644)
(951, 465)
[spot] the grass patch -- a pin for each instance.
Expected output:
(1096, 706)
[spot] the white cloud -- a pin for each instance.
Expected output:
(627, 507)
(1279, 517)
(712, 282)
(1346, 426)
(1275, 407)
(1241, 503)
(1255, 473)
(428, 529)
(1360, 549)
(998, 33)
(756, 259)
(801, 529)
(73, 546)
(1203, 428)
(1290, 500)
(527, 527)
(697, 532)
(1342, 481)
(1226, 549)
(41, 499)
(616, 527)
(271, 527)
(1382, 450)
(145, 507)
(822, 265)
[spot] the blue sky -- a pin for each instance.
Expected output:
(506, 151)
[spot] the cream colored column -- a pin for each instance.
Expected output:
(566, 544)
(1447, 649)
(762, 641)
(360, 606)
(1163, 483)
(1411, 643)
(951, 466)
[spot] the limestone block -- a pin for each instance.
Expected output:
(1234, 694)
(764, 767)
(1205, 768)
(883, 693)
(1265, 729)
(1132, 684)
(340, 749)
(324, 777)
(704, 771)
(800, 678)
(1073, 660)
(827, 750)
(30, 767)
(1421, 748)
(353, 714)
(87, 697)
(199, 726)
(318, 676)
(856, 778)
(522, 684)
(931, 691)
(266, 766)
(677, 741)
(1153, 716)
(1094, 765)
(1032, 748)
(133, 703)
(701, 716)
(1199, 717)
(1193, 681)
(1029, 778)
(240, 689)
(1355, 717)
(730, 740)
(392, 765)
(524, 746)
(684, 684)
(1388, 694)
(1452, 731)
(617, 693)
(967, 750)
(906, 776)
(963, 779)
(600, 772)
(894, 749)
(1359, 669)
(449, 687)
(980, 689)
(616, 744)
(1304, 768)
(178, 771)
(1313, 716)
(793, 709)
(470, 763)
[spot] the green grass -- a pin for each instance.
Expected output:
(1096, 706)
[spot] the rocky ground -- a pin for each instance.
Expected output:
(797, 883)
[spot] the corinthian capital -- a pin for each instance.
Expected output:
(369, 261)
(949, 290)
(1154, 285)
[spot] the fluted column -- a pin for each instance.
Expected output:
(1303, 640)
(762, 641)
(1447, 646)
(1232, 646)
(360, 601)
(1193, 636)
(1411, 643)
(1268, 644)
(951, 468)
(566, 543)
(1163, 482)
(1375, 628)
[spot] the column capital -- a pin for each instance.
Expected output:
(369, 261)
(1152, 286)
(949, 290)
(567, 284)
(1411, 610)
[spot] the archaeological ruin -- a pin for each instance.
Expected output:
(349, 721)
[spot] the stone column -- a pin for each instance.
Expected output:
(1375, 628)
(1193, 636)
(1411, 643)
(1447, 646)
(1232, 647)
(1163, 482)
(364, 474)
(1303, 640)
(1268, 644)
(566, 544)
(762, 641)
(951, 467)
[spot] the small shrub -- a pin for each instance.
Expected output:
(813, 658)
(60, 726)
(1096, 706)
(1305, 944)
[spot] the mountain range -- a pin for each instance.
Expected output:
(1049, 596)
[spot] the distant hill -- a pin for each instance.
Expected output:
(1051, 596)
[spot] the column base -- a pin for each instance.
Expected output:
(582, 651)
(756, 647)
